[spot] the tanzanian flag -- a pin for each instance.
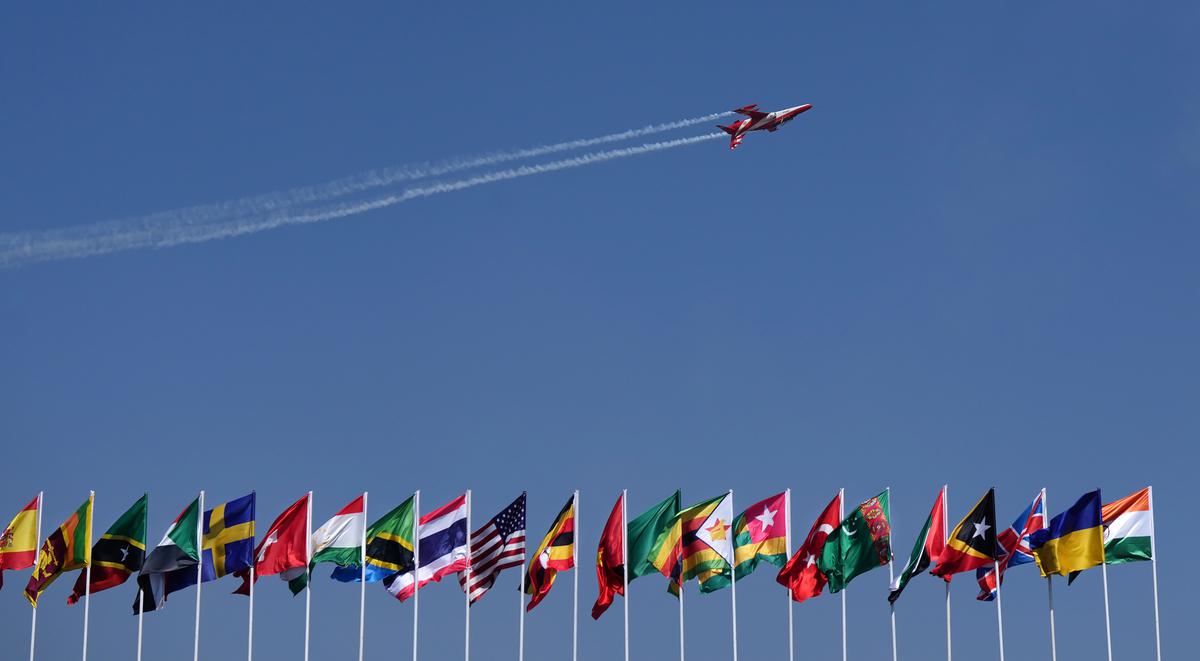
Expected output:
(389, 547)
(117, 554)
(1074, 540)
(67, 548)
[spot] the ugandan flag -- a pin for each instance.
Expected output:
(66, 549)
(972, 543)
(117, 554)
(556, 553)
(699, 545)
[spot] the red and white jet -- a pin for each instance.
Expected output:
(759, 121)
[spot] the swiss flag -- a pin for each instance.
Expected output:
(800, 574)
(283, 547)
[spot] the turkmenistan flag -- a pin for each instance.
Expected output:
(699, 544)
(760, 533)
(644, 532)
(178, 551)
(389, 547)
(117, 554)
(862, 542)
(1128, 527)
(68, 547)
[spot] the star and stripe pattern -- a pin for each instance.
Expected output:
(496, 546)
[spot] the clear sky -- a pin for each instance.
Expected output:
(974, 261)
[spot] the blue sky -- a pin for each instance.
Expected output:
(972, 262)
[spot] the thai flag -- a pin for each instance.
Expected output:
(1013, 546)
(442, 546)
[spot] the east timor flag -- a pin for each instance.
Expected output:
(67, 548)
(117, 554)
(972, 543)
(556, 553)
(1074, 540)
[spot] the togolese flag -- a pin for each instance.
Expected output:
(1128, 527)
(66, 549)
(698, 544)
(117, 554)
(760, 533)
(556, 553)
(18, 542)
(861, 543)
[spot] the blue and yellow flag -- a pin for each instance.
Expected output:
(1074, 540)
(227, 543)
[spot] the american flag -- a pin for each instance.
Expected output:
(496, 546)
(1014, 548)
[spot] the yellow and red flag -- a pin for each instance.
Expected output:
(68, 548)
(18, 543)
(556, 553)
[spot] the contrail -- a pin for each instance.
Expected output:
(102, 238)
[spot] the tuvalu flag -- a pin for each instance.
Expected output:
(861, 543)
(1074, 540)
(972, 543)
(760, 534)
(67, 548)
(800, 575)
(283, 549)
(556, 553)
(930, 543)
(117, 554)
(18, 542)
(389, 548)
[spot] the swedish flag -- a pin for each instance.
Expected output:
(227, 543)
(1074, 540)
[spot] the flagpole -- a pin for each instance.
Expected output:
(308, 574)
(416, 542)
(36, 559)
(199, 573)
(841, 516)
(682, 586)
(996, 567)
(787, 505)
(362, 583)
(891, 572)
(946, 538)
(87, 588)
(1049, 586)
(575, 576)
(250, 636)
(467, 585)
(1107, 624)
(521, 608)
(141, 593)
(733, 587)
(625, 561)
(1153, 571)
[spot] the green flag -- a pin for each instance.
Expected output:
(862, 542)
(642, 533)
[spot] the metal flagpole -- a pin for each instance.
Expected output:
(362, 585)
(521, 609)
(946, 538)
(999, 608)
(891, 572)
(682, 586)
(787, 518)
(308, 574)
(1107, 624)
(87, 588)
(841, 516)
(416, 542)
(1153, 572)
(250, 636)
(625, 562)
(199, 573)
(1049, 585)
(141, 593)
(732, 583)
(467, 584)
(36, 558)
(575, 575)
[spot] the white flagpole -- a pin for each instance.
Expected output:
(416, 542)
(625, 561)
(1153, 573)
(37, 558)
(996, 567)
(1107, 624)
(946, 538)
(250, 636)
(308, 573)
(467, 584)
(682, 589)
(1049, 584)
(362, 584)
(841, 517)
(141, 593)
(733, 584)
(575, 576)
(891, 573)
(199, 573)
(521, 608)
(87, 588)
(787, 518)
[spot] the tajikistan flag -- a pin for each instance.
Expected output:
(338, 541)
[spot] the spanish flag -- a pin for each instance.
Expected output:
(18, 543)
(1074, 540)
(68, 548)
(556, 553)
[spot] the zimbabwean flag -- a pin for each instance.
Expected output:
(117, 554)
(699, 544)
(66, 549)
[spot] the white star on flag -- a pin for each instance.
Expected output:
(767, 518)
(981, 529)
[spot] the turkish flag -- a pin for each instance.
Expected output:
(800, 574)
(284, 547)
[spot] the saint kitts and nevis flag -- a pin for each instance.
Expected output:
(18, 542)
(117, 554)
(68, 548)
(861, 543)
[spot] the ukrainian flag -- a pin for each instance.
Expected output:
(1074, 540)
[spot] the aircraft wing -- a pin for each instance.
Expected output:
(750, 111)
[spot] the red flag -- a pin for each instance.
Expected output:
(610, 560)
(800, 574)
(284, 547)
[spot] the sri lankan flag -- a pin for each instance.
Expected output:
(67, 548)
(117, 554)
(972, 543)
(556, 553)
(18, 542)
(760, 533)
(699, 544)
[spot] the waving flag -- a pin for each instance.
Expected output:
(861, 543)
(1074, 540)
(800, 575)
(760, 533)
(556, 553)
(610, 559)
(65, 549)
(117, 554)
(227, 543)
(389, 543)
(18, 542)
(498, 545)
(930, 543)
(283, 549)
(1014, 548)
(179, 551)
(972, 543)
(442, 550)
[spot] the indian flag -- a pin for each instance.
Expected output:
(1128, 527)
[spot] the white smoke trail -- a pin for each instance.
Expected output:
(150, 232)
